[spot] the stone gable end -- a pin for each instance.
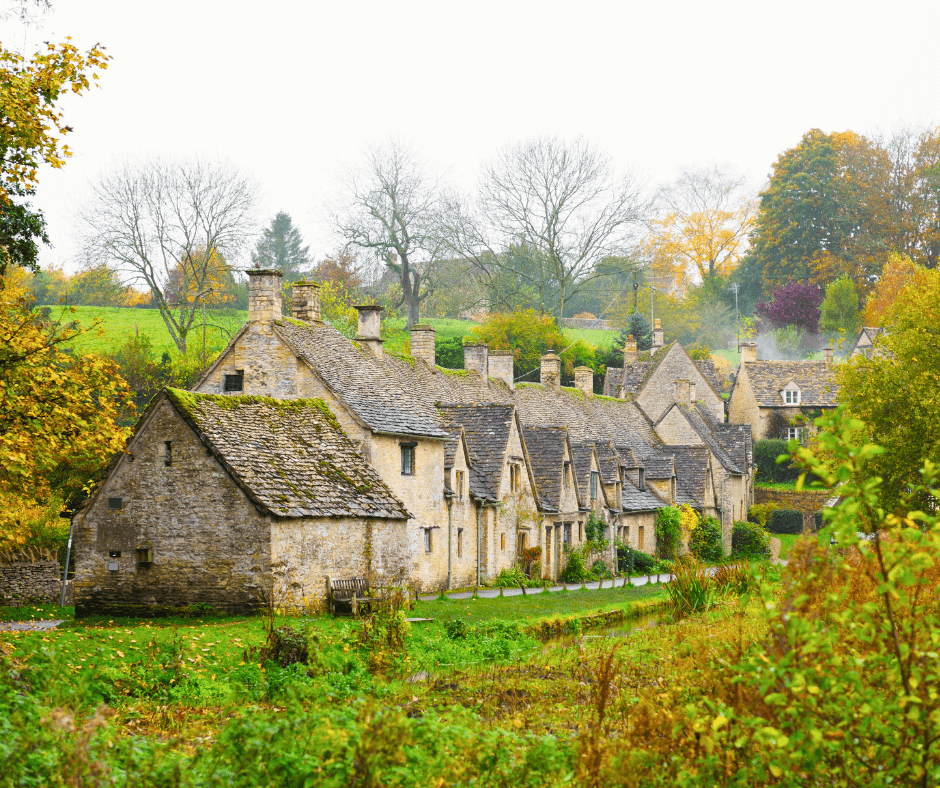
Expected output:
(659, 392)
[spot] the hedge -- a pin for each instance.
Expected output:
(785, 521)
(749, 540)
(642, 563)
(765, 456)
(705, 541)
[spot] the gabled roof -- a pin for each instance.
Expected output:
(816, 380)
(627, 458)
(290, 457)
(609, 462)
(581, 455)
(486, 431)
(546, 450)
(635, 500)
(365, 383)
(456, 441)
(691, 474)
(634, 376)
(708, 433)
(659, 466)
(707, 368)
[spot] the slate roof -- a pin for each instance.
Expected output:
(546, 450)
(635, 374)
(707, 432)
(691, 474)
(367, 384)
(635, 500)
(289, 456)
(627, 458)
(581, 454)
(486, 431)
(735, 439)
(659, 466)
(609, 461)
(816, 379)
(707, 368)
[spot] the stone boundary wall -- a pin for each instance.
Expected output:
(806, 501)
(29, 575)
(577, 322)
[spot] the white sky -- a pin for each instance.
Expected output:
(290, 90)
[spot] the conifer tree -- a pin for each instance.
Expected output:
(281, 247)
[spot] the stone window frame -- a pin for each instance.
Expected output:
(515, 477)
(459, 484)
(428, 542)
(237, 376)
(409, 455)
(595, 483)
(566, 471)
(566, 534)
(460, 542)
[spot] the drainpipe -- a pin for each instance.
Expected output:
(722, 510)
(450, 542)
(479, 537)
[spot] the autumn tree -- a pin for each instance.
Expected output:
(839, 311)
(898, 273)
(563, 202)
(32, 128)
(897, 392)
(795, 304)
(701, 226)
(58, 414)
(389, 208)
(281, 247)
(340, 267)
(151, 218)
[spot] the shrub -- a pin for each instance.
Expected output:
(576, 569)
(759, 512)
(749, 540)
(692, 589)
(785, 521)
(448, 353)
(513, 577)
(765, 456)
(668, 530)
(705, 541)
(600, 570)
(636, 562)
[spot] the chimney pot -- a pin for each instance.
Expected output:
(264, 295)
(550, 369)
(475, 358)
(629, 351)
(500, 366)
(370, 327)
(584, 381)
(748, 352)
(422, 342)
(305, 298)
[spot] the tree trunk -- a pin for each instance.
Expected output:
(408, 291)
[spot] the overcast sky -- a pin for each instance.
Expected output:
(291, 90)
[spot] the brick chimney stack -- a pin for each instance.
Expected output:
(264, 295)
(629, 351)
(658, 338)
(500, 366)
(475, 359)
(370, 327)
(584, 381)
(748, 352)
(305, 297)
(550, 369)
(422, 342)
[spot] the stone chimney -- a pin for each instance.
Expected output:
(422, 342)
(550, 369)
(264, 295)
(827, 354)
(500, 366)
(370, 327)
(658, 340)
(475, 359)
(584, 380)
(305, 297)
(629, 351)
(682, 390)
(748, 352)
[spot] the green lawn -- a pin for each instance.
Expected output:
(593, 336)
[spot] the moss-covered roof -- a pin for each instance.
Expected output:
(289, 456)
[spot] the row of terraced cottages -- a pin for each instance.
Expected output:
(303, 455)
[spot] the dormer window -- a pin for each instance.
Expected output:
(593, 485)
(791, 396)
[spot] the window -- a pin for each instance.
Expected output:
(567, 471)
(115, 503)
(626, 534)
(427, 540)
(168, 454)
(580, 531)
(639, 538)
(791, 396)
(793, 432)
(642, 478)
(460, 542)
(593, 485)
(408, 459)
(502, 541)
(515, 477)
(459, 485)
(521, 545)
(235, 382)
(567, 533)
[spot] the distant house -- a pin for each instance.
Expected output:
(865, 344)
(770, 395)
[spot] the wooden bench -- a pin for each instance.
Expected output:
(347, 597)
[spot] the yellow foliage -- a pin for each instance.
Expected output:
(898, 272)
(688, 519)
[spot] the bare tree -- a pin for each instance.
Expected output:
(389, 207)
(548, 211)
(182, 222)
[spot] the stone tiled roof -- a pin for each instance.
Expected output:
(446, 386)
(581, 454)
(546, 450)
(707, 432)
(707, 368)
(609, 461)
(367, 384)
(635, 500)
(816, 379)
(636, 373)
(612, 379)
(289, 456)
(735, 439)
(486, 430)
(691, 474)
(659, 466)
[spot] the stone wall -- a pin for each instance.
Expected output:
(30, 575)
(659, 393)
(210, 545)
(806, 501)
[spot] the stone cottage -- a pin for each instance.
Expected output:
(780, 399)
(225, 501)
(865, 344)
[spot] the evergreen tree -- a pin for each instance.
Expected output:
(639, 326)
(281, 248)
